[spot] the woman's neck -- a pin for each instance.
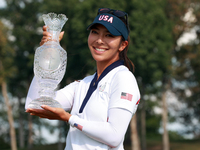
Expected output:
(101, 66)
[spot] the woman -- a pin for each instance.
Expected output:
(102, 104)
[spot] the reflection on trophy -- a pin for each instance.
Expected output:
(50, 63)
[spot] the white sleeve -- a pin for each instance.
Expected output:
(124, 92)
(32, 92)
(64, 96)
(110, 133)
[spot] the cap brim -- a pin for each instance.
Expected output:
(110, 28)
(114, 25)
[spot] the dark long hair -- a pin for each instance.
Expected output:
(123, 54)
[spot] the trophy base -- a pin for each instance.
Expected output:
(36, 103)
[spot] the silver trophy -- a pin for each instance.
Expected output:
(50, 62)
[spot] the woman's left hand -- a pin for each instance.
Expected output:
(50, 113)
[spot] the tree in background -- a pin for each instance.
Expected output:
(186, 17)
(151, 44)
(7, 70)
(24, 16)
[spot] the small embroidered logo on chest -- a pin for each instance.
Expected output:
(102, 87)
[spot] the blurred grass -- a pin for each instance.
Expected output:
(151, 145)
(174, 145)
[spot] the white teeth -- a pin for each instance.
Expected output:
(101, 50)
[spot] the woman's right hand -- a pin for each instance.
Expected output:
(47, 36)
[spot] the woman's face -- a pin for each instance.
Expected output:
(104, 46)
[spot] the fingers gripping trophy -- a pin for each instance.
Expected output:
(50, 62)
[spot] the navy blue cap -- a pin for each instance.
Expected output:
(113, 24)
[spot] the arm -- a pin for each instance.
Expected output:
(32, 92)
(110, 133)
(124, 98)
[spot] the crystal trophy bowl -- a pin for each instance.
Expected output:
(50, 62)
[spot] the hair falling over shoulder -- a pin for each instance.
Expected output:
(123, 56)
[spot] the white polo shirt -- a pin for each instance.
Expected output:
(116, 88)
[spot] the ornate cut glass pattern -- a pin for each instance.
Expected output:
(50, 62)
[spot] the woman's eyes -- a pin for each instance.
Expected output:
(110, 35)
(93, 31)
(107, 34)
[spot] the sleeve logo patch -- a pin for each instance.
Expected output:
(126, 96)
(78, 126)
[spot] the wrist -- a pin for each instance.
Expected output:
(71, 120)
(67, 117)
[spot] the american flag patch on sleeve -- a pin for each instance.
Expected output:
(78, 126)
(126, 96)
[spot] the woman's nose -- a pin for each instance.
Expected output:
(100, 40)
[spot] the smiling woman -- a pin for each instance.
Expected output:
(100, 105)
(104, 46)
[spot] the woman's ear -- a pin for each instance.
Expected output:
(123, 45)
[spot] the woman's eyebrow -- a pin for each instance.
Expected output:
(98, 29)
(95, 28)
